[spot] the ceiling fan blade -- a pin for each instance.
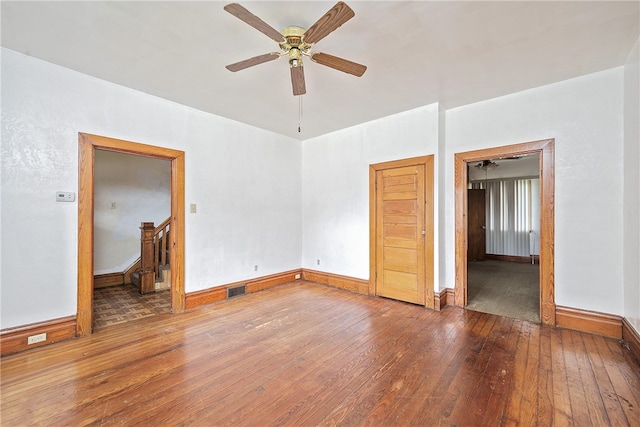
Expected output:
(253, 61)
(297, 81)
(244, 15)
(339, 63)
(329, 22)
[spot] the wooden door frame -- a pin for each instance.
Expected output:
(87, 144)
(545, 148)
(427, 162)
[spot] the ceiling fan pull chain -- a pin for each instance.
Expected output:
(299, 111)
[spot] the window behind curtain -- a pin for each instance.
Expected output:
(512, 216)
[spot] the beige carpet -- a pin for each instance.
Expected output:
(508, 289)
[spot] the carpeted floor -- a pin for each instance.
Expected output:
(119, 304)
(508, 289)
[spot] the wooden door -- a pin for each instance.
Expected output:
(401, 233)
(477, 239)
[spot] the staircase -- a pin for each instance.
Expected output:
(154, 272)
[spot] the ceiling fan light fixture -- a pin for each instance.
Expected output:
(295, 57)
(487, 165)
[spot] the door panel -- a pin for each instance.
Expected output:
(400, 221)
(400, 259)
(477, 239)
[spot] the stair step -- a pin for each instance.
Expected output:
(135, 278)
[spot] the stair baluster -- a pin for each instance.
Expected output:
(161, 240)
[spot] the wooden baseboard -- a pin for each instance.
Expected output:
(443, 298)
(109, 279)
(608, 325)
(631, 337)
(360, 286)
(114, 279)
(127, 273)
(439, 299)
(513, 258)
(266, 282)
(15, 339)
(219, 293)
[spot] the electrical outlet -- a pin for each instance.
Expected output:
(113, 205)
(255, 267)
(318, 262)
(297, 276)
(37, 338)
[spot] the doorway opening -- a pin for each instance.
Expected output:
(130, 190)
(462, 161)
(503, 225)
(88, 144)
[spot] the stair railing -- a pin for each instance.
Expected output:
(161, 244)
(154, 248)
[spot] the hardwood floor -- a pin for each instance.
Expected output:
(122, 303)
(304, 354)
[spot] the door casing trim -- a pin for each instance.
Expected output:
(545, 148)
(87, 144)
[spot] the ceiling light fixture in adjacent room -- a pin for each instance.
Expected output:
(486, 165)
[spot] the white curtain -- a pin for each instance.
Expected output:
(511, 215)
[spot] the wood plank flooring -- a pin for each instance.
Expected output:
(304, 354)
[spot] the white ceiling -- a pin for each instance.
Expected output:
(417, 52)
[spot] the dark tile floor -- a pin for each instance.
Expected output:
(122, 303)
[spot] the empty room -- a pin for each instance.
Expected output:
(318, 213)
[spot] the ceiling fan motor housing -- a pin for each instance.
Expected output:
(294, 46)
(293, 36)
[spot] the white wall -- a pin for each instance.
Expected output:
(140, 188)
(584, 115)
(245, 181)
(335, 186)
(631, 207)
(266, 199)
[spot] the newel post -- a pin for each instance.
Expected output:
(147, 275)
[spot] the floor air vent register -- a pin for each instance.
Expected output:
(236, 291)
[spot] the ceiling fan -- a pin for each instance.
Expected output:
(490, 164)
(487, 165)
(296, 42)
